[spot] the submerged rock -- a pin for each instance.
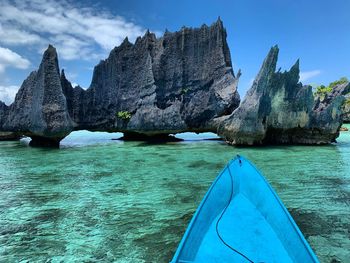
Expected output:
(160, 138)
(40, 108)
(278, 109)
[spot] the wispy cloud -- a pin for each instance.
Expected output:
(306, 75)
(8, 58)
(77, 31)
(8, 93)
(15, 37)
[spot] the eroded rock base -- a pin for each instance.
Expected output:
(45, 142)
(298, 136)
(9, 136)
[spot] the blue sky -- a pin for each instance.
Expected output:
(317, 32)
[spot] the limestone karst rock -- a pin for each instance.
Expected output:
(40, 108)
(179, 82)
(346, 109)
(182, 81)
(3, 113)
(279, 109)
(6, 136)
(337, 91)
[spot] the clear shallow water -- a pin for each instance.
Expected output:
(97, 200)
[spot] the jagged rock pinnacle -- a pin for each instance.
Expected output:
(180, 82)
(164, 88)
(279, 109)
(40, 108)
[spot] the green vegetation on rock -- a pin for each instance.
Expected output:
(337, 82)
(124, 115)
(184, 90)
(347, 102)
(322, 90)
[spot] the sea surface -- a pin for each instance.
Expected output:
(102, 200)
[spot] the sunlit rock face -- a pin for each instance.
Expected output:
(40, 108)
(179, 82)
(346, 115)
(337, 91)
(278, 109)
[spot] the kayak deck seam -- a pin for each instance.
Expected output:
(222, 213)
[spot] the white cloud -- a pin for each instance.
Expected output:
(306, 75)
(15, 37)
(8, 93)
(70, 48)
(78, 32)
(8, 58)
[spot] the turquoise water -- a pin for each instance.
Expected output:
(98, 200)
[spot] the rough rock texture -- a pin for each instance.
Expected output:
(9, 136)
(279, 109)
(6, 136)
(3, 113)
(346, 109)
(338, 91)
(40, 108)
(179, 82)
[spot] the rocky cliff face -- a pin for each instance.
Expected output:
(40, 108)
(6, 136)
(279, 109)
(179, 82)
(346, 116)
(3, 113)
(340, 90)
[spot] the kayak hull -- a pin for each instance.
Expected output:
(241, 219)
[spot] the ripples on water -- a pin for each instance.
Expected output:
(98, 200)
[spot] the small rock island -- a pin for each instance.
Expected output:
(180, 82)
